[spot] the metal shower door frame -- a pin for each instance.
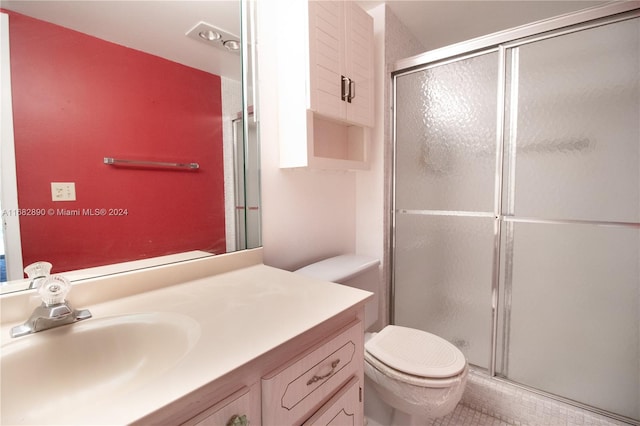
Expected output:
(505, 43)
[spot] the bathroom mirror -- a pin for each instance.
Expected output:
(129, 142)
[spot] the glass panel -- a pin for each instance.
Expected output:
(446, 136)
(248, 185)
(577, 128)
(442, 278)
(575, 313)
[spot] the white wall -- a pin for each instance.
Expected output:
(11, 223)
(393, 41)
(306, 215)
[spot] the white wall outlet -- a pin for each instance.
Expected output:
(63, 191)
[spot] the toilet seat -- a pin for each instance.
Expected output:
(373, 364)
(414, 355)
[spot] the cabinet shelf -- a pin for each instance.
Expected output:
(332, 144)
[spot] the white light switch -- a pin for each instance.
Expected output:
(63, 191)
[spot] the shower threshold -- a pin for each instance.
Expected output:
(519, 404)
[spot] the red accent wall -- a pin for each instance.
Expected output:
(78, 99)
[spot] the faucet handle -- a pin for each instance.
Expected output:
(37, 271)
(54, 289)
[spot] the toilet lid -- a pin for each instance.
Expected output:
(416, 352)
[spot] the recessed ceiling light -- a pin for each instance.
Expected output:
(215, 37)
(209, 35)
(232, 45)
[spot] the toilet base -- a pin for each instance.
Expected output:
(376, 411)
(379, 413)
(400, 418)
(413, 404)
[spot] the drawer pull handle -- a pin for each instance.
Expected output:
(237, 420)
(314, 379)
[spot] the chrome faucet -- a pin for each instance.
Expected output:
(54, 310)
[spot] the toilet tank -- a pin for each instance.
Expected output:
(352, 270)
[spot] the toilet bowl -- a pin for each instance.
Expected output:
(418, 374)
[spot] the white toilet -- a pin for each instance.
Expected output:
(418, 374)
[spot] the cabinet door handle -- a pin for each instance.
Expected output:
(317, 378)
(237, 420)
(352, 90)
(345, 85)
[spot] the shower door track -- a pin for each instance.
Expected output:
(500, 42)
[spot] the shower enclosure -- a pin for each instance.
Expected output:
(516, 206)
(246, 156)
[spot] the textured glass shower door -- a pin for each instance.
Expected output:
(571, 237)
(445, 200)
(518, 170)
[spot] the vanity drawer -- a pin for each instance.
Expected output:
(292, 393)
(242, 408)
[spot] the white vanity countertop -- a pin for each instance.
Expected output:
(241, 315)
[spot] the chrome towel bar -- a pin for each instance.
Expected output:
(117, 161)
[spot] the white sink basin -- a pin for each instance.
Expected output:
(77, 366)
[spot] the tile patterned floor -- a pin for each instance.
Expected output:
(461, 416)
(520, 407)
(491, 402)
(465, 416)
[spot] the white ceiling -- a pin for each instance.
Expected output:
(156, 27)
(441, 23)
(159, 27)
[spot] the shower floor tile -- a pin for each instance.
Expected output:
(461, 416)
(465, 416)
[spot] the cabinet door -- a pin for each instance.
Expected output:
(242, 408)
(291, 393)
(359, 63)
(344, 409)
(326, 58)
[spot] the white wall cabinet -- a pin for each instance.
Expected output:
(324, 51)
(341, 61)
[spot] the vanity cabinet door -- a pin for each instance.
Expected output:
(344, 409)
(242, 408)
(295, 391)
